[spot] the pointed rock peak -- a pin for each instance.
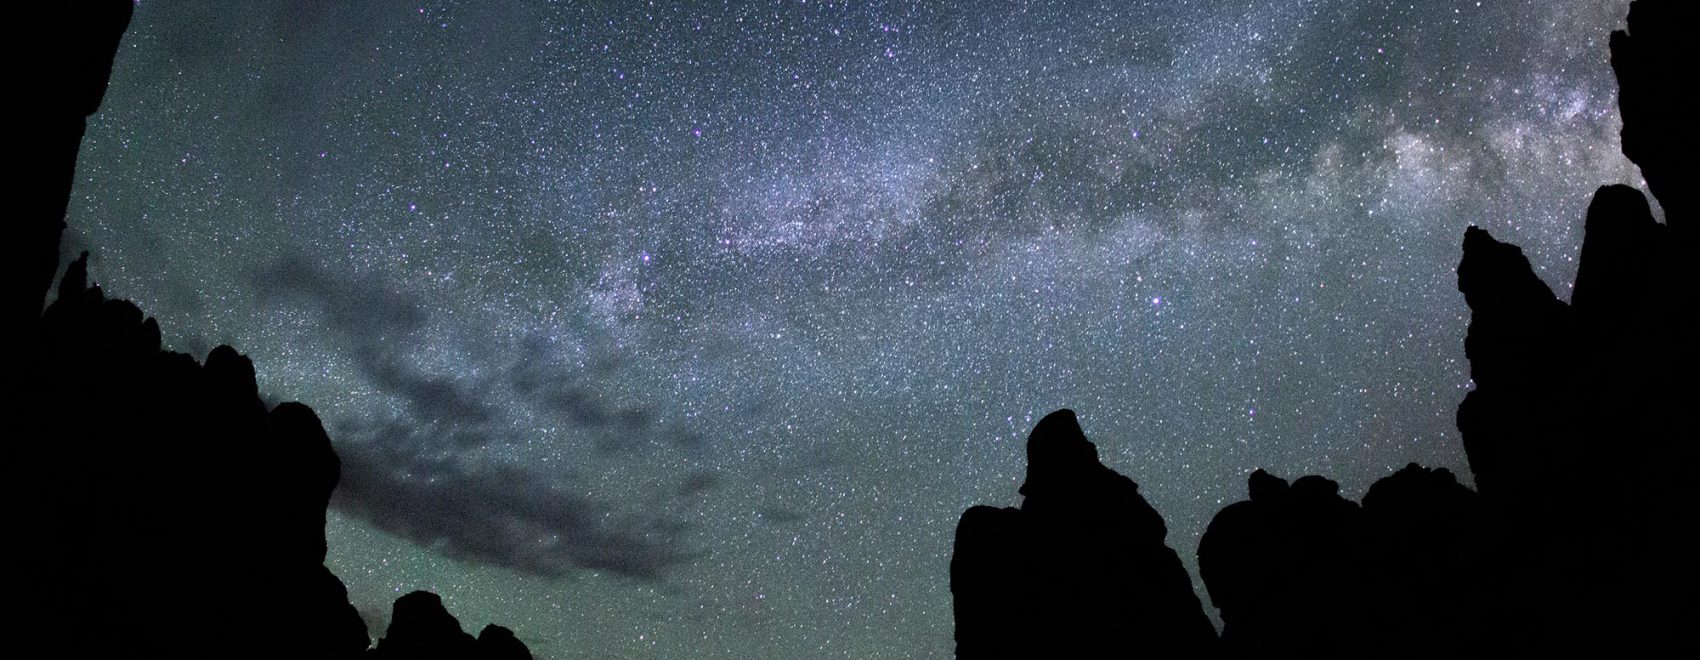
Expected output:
(1480, 244)
(1265, 487)
(1495, 274)
(1057, 450)
(1481, 247)
(1079, 570)
(1058, 428)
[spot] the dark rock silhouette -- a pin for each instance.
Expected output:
(1579, 416)
(73, 45)
(498, 643)
(155, 506)
(1283, 567)
(422, 629)
(1516, 328)
(1654, 65)
(1593, 430)
(1582, 540)
(1424, 581)
(1302, 571)
(1080, 570)
(164, 492)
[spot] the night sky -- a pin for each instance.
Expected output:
(677, 331)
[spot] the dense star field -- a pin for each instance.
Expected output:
(678, 331)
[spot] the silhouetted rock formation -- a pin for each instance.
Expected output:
(153, 492)
(156, 508)
(1427, 587)
(1654, 62)
(1302, 571)
(1283, 568)
(498, 643)
(1582, 541)
(1080, 570)
(52, 93)
(1516, 329)
(1580, 412)
(422, 629)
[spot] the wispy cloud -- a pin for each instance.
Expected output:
(424, 476)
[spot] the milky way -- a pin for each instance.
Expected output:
(656, 330)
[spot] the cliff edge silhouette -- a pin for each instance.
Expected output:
(156, 506)
(1580, 539)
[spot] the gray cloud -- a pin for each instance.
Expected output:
(378, 325)
(425, 477)
(497, 514)
(572, 396)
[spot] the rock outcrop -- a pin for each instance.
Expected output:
(158, 501)
(422, 629)
(1301, 571)
(1080, 570)
(1653, 60)
(1577, 433)
(1283, 567)
(156, 506)
(58, 80)
(1582, 539)
(1578, 430)
(498, 643)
